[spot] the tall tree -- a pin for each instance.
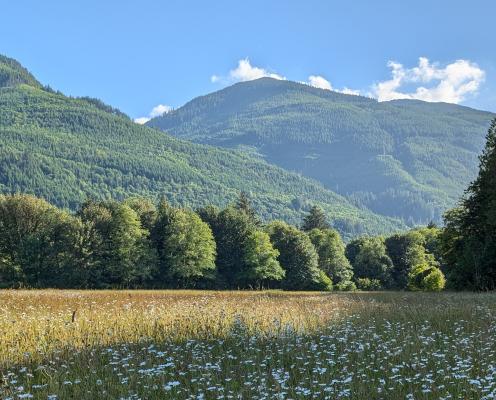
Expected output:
(36, 241)
(261, 262)
(369, 259)
(316, 219)
(186, 246)
(298, 257)
(244, 204)
(332, 259)
(121, 256)
(406, 251)
(471, 230)
(238, 240)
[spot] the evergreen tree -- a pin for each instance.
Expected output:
(231, 229)
(243, 204)
(332, 260)
(470, 239)
(316, 219)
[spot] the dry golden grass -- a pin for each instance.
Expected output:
(36, 323)
(200, 344)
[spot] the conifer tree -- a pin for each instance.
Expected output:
(470, 237)
(316, 219)
(243, 204)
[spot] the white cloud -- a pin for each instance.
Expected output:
(322, 83)
(353, 92)
(155, 112)
(450, 84)
(319, 82)
(245, 72)
(159, 110)
(141, 120)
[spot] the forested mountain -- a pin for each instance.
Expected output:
(404, 158)
(69, 149)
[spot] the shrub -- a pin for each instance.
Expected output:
(426, 277)
(369, 284)
(323, 283)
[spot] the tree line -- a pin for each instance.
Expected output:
(137, 244)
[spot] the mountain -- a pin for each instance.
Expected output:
(68, 149)
(406, 159)
(12, 73)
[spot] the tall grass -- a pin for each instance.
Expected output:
(198, 344)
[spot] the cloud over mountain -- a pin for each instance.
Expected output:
(430, 81)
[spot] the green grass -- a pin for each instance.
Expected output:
(256, 345)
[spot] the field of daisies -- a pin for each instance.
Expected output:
(246, 345)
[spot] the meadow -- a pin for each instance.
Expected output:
(249, 345)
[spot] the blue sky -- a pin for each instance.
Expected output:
(136, 55)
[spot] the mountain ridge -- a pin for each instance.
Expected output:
(402, 158)
(69, 149)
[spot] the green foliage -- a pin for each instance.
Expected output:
(368, 284)
(261, 260)
(133, 243)
(403, 158)
(243, 204)
(331, 251)
(432, 241)
(66, 150)
(118, 254)
(12, 74)
(231, 229)
(469, 240)
(315, 219)
(324, 283)
(369, 259)
(34, 242)
(346, 286)
(245, 256)
(186, 245)
(426, 277)
(145, 209)
(298, 257)
(462, 266)
(406, 251)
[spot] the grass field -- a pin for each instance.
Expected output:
(248, 345)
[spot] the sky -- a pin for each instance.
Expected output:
(146, 57)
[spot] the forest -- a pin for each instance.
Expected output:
(66, 149)
(92, 200)
(137, 244)
(405, 159)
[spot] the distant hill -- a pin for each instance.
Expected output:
(68, 149)
(407, 159)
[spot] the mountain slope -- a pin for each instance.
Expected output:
(407, 159)
(67, 149)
